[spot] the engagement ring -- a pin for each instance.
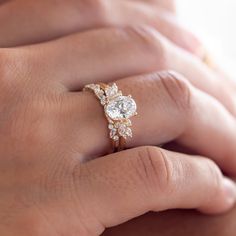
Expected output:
(118, 110)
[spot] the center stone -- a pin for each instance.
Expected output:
(122, 107)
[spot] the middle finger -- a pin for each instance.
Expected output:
(113, 53)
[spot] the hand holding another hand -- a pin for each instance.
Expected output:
(56, 176)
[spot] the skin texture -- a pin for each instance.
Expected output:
(72, 68)
(50, 108)
(46, 175)
(33, 30)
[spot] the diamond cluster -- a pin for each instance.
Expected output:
(118, 109)
(120, 129)
(98, 92)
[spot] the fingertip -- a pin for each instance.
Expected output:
(229, 191)
(224, 201)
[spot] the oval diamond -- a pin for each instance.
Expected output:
(122, 107)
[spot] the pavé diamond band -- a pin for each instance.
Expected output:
(118, 111)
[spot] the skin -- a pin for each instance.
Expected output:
(49, 177)
(39, 128)
(79, 16)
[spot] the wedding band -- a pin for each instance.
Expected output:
(118, 110)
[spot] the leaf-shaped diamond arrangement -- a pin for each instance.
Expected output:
(111, 91)
(98, 92)
(120, 129)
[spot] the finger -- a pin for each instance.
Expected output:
(125, 185)
(109, 54)
(37, 23)
(173, 110)
(27, 22)
(216, 83)
(163, 21)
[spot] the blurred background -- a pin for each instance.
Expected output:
(214, 21)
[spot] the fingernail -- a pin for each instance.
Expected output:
(230, 190)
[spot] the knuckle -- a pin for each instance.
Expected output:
(154, 168)
(177, 89)
(147, 40)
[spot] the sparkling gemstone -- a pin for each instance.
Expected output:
(112, 90)
(116, 138)
(110, 126)
(117, 124)
(100, 94)
(97, 88)
(121, 107)
(103, 100)
(128, 122)
(125, 131)
(113, 133)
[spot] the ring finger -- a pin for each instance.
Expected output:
(169, 109)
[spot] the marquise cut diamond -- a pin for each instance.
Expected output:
(111, 91)
(125, 131)
(121, 107)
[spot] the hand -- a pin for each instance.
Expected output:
(69, 60)
(49, 131)
(26, 22)
(49, 136)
